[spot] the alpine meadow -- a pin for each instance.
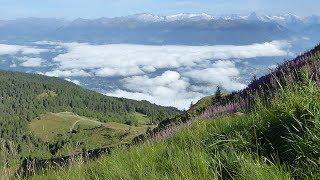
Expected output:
(160, 90)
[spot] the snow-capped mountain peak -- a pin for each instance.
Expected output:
(147, 17)
(255, 17)
(188, 16)
(282, 19)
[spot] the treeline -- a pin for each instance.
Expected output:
(24, 97)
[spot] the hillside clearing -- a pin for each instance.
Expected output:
(82, 132)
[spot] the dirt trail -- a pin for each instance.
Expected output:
(75, 123)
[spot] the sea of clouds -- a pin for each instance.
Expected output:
(170, 75)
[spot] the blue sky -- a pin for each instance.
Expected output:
(110, 8)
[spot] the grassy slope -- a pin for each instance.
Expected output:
(280, 140)
(87, 133)
(202, 104)
(197, 108)
(139, 118)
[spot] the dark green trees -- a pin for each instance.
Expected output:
(24, 97)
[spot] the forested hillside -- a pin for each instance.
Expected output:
(26, 98)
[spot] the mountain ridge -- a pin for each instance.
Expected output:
(150, 17)
(183, 28)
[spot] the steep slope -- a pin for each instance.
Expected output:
(287, 73)
(25, 98)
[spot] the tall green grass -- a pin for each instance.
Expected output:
(278, 140)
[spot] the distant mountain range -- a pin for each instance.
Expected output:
(152, 18)
(281, 19)
(195, 29)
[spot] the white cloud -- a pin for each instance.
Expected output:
(274, 66)
(129, 59)
(13, 65)
(160, 85)
(31, 50)
(168, 89)
(66, 73)
(109, 72)
(73, 81)
(14, 49)
(191, 72)
(182, 101)
(208, 89)
(221, 73)
(31, 62)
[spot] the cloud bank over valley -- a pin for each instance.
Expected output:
(170, 75)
